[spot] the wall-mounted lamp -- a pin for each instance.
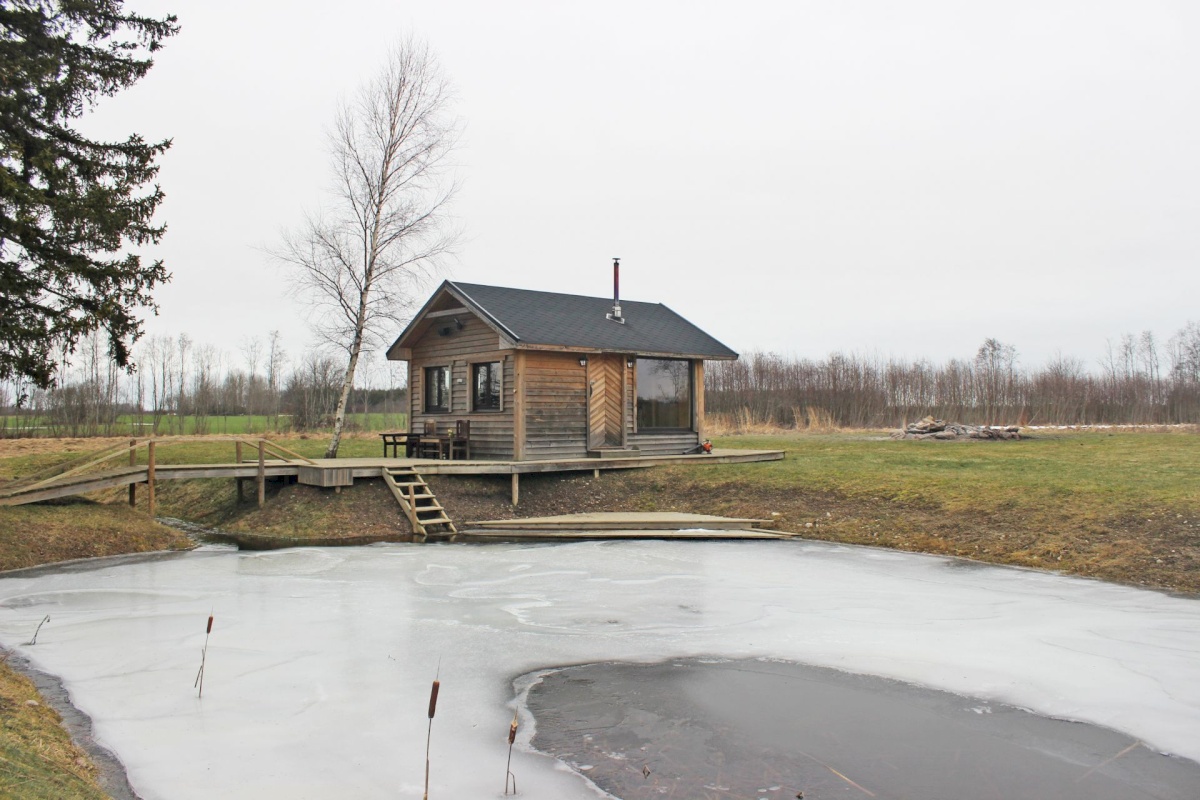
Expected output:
(630, 363)
(583, 361)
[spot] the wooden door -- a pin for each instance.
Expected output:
(606, 400)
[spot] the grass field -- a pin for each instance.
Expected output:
(129, 425)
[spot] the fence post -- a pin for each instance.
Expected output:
(150, 476)
(262, 475)
(237, 447)
(133, 463)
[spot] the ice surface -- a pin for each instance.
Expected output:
(320, 661)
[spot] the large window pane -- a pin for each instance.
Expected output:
(664, 394)
(486, 380)
(437, 390)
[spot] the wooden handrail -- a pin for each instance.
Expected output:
(129, 449)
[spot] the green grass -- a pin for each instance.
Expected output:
(130, 425)
(1086, 473)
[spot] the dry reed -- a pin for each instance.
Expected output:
(39, 630)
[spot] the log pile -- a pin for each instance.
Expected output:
(930, 428)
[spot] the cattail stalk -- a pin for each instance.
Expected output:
(512, 737)
(433, 694)
(199, 682)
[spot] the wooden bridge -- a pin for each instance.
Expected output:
(96, 471)
(137, 463)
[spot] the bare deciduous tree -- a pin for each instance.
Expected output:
(363, 261)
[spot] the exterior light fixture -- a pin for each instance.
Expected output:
(630, 362)
(583, 361)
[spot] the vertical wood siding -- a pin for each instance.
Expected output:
(605, 399)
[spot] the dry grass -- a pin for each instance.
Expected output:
(37, 758)
(45, 533)
(747, 422)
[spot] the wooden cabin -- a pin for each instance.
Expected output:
(542, 375)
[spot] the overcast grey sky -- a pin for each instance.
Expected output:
(901, 178)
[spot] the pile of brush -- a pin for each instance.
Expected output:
(930, 428)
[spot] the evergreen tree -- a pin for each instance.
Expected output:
(70, 206)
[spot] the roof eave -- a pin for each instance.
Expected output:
(401, 349)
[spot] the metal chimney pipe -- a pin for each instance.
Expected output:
(617, 283)
(615, 316)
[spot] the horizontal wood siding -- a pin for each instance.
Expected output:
(664, 444)
(556, 406)
(491, 431)
(475, 337)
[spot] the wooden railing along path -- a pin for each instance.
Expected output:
(89, 472)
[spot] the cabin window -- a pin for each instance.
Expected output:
(437, 390)
(485, 378)
(664, 394)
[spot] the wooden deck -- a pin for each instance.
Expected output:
(344, 471)
(620, 525)
(369, 467)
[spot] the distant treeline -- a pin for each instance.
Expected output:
(1138, 382)
(180, 387)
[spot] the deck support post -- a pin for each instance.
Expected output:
(150, 477)
(262, 475)
(237, 450)
(133, 463)
(516, 488)
(595, 474)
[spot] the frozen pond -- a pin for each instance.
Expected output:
(320, 660)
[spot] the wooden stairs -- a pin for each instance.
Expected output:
(423, 510)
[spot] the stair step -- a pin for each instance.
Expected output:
(418, 502)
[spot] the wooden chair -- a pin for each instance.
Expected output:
(461, 442)
(430, 446)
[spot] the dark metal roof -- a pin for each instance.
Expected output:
(565, 320)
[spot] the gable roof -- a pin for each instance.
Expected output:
(533, 319)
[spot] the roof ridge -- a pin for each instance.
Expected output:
(560, 294)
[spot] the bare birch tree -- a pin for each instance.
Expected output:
(363, 261)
